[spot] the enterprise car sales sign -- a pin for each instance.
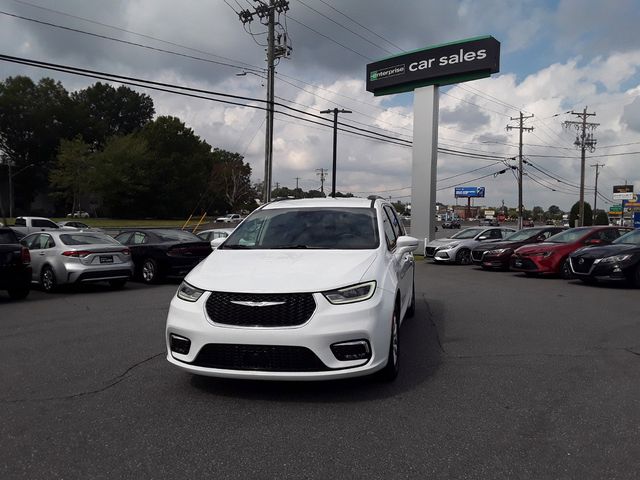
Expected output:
(439, 65)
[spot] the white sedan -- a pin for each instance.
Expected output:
(306, 289)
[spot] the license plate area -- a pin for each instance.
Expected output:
(106, 258)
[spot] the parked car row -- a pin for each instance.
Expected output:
(68, 255)
(592, 254)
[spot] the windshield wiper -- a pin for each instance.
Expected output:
(292, 247)
(235, 247)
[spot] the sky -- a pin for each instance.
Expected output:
(556, 57)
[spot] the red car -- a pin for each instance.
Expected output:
(550, 256)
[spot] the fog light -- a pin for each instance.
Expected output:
(353, 350)
(179, 344)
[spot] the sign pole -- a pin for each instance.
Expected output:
(424, 163)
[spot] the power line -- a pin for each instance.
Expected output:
(346, 28)
(126, 42)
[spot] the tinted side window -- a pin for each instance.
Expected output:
(124, 238)
(138, 238)
(395, 221)
(608, 235)
(20, 222)
(389, 232)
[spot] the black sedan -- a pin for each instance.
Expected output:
(159, 253)
(497, 254)
(451, 224)
(618, 261)
(15, 265)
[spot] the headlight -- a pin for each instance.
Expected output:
(189, 293)
(498, 251)
(352, 294)
(543, 254)
(450, 245)
(614, 259)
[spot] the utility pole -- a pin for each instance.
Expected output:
(266, 13)
(595, 196)
(297, 179)
(335, 145)
(522, 128)
(322, 172)
(583, 141)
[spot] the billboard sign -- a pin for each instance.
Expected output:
(445, 64)
(633, 203)
(623, 192)
(466, 192)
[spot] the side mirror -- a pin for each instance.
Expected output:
(541, 238)
(406, 244)
(216, 242)
(482, 237)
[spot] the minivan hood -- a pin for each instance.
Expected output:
(279, 271)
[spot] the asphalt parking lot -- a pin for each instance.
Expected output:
(502, 376)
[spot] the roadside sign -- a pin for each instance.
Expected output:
(623, 192)
(463, 192)
(616, 208)
(636, 220)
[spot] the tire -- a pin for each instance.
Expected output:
(117, 284)
(18, 293)
(149, 271)
(48, 279)
(463, 257)
(565, 270)
(391, 369)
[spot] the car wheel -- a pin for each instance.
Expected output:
(18, 293)
(391, 369)
(565, 270)
(117, 284)
(463, 257)
(48, 279)
(149, 271)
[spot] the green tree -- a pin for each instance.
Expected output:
(538, 213)
(575, 211)
(104, 111)
(72, 176)
(601, 218)
(124, 178)
(231, 177)
(33, 119)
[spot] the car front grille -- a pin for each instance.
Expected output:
(260, 309)
(527, 264)
(581, 265)
(269, 358)
(429, 251)
(477, 255)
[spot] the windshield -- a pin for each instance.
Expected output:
(568, 236)
(87, 239)
(325, 228)
(468, 233)
(631, 238)
(523, 234)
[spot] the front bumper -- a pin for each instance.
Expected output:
(369, 320)
(534, 264)
(618, 271)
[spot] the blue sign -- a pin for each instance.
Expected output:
(636, 220)
(466, 192)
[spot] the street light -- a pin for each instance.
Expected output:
(335, 112)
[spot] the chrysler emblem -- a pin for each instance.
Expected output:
(257, 304)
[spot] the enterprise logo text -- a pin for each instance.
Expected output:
(387, 72)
